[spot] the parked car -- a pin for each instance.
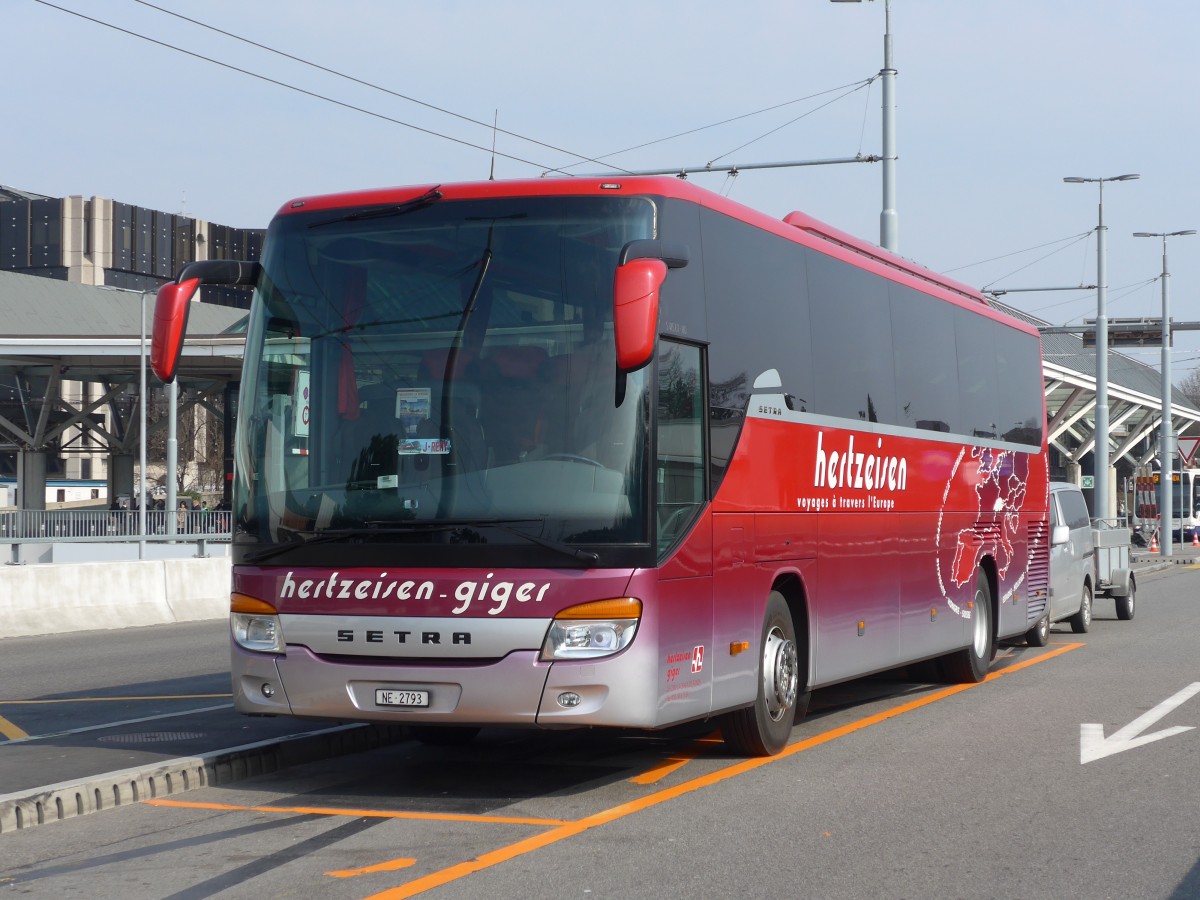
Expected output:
(1084, 563)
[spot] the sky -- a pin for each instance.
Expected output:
(996, 102)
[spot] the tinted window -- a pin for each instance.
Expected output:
(1019, 361)
(1074, 509)
(755, 284)
(679, 463)
(852, 353)
(926, 362)
(979, 404)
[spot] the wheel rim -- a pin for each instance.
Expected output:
(781, 674)
(981, 623)
(1086, 610)
(1044, 628)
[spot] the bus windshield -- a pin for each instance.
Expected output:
(444, 371)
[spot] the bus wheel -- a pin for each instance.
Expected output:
(764, 728)
(1125, 604)
(970, 665)
(1039, 634)
(1081, 622)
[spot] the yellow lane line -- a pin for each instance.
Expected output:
(389, 866)
(11, 731)
(571, 829)
(114, 699)
(359, 813)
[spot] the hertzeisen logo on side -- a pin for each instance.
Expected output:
(848, 469)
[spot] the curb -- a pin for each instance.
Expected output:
(27, 809)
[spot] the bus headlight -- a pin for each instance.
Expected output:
(255, 624)
(599, 628)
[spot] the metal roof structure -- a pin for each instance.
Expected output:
(54, 331)
(1134, 399)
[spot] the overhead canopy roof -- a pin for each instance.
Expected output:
(95, 332)
(1134, 399)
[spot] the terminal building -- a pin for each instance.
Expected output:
(74, 274)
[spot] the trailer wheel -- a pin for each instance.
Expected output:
(1081, 622)
(970, 665)
(1125, 604)
(764, 728)
(1039, 634)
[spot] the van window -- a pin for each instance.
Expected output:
(1074, 509)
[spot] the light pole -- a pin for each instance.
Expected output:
(1165, 449)
(142, 430)
(1100, 502)
(889, 222)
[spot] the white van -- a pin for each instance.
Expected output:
(1077, 573)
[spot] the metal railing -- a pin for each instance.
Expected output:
(113, 524)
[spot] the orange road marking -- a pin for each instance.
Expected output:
(389, 866)
(358, 813)
(672, 763)
(11, 731)
(114, 699)
(571, 829)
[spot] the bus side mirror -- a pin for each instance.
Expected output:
(635, 311)
(170, 325)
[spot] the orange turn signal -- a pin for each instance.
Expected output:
(243, 603)
(617, 608)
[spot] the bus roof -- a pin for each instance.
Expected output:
(796, 226)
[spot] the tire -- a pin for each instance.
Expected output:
(1081, 622)
(764, 728)
(1039, 634)
(1125, 604)
(970, 665)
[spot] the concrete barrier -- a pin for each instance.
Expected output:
(62, 597)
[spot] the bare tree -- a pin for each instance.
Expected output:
(1190, 385)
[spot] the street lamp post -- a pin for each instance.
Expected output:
(1100, 503)
(1165, 448)
(889, 222)
(142, 432)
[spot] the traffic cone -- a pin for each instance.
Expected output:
(1196, 537)
(1154, 542)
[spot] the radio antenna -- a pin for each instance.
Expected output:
(495, 123)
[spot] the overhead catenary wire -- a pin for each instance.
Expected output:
(291, 87)
(491, 126)
(792, 121)
(697, 130)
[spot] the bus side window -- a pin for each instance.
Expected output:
(679, 466)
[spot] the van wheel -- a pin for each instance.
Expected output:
(1039, 634)
(1081, 622)
(1125, 604)
(764, 728)
(970, 666)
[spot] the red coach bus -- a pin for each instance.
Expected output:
(579, 453)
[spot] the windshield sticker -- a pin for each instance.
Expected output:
(412, 407)
(424, 447)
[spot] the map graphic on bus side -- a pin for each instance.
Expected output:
(998, 480)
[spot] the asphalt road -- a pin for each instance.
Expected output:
(1073, 771)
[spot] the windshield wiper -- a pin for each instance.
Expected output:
(505, 525)
(397, 209)
(586, 556)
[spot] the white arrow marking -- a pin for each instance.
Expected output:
(1093, 745)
